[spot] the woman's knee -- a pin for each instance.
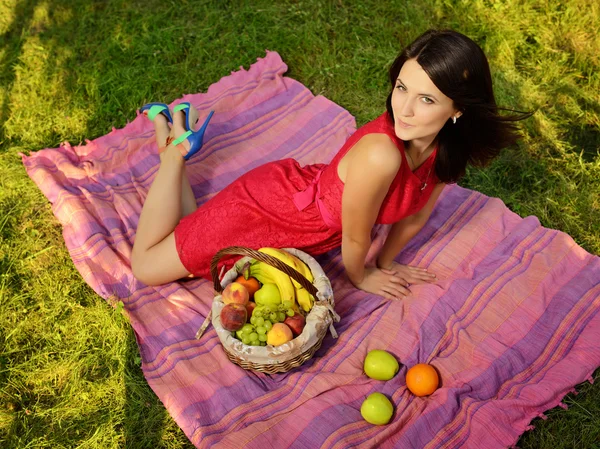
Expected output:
(157, 265)
(139, 268)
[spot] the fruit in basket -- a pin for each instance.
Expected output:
(422, 379)
(235, 293)
(233, 316)
(304, 299)
(279, 334)
(268, 294)
(296, 323)
(251, 284)
(267, 274)
(377, 409)
(380, 365)
(292, 261)
(250, 308)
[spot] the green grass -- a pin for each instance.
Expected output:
(73, 69)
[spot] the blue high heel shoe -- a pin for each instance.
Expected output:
(153, 109)
(195, 138)
(185, 108)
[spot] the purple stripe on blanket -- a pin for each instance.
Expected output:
(514, 360)
(511, 322)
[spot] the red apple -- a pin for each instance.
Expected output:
(233, 316)
(295, 323)
(250, 308)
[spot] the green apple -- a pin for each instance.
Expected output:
(267, 295)
(377, 409)
(381, 365)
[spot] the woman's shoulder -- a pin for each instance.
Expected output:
(377, 151)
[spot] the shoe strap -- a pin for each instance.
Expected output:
(155, 110)
(181, 138)
(181, 107)
(179, 146)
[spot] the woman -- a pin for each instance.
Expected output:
(441, 114)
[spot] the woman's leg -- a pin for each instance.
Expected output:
(154, 259)
(161, 128)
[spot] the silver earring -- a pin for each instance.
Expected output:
(454, 119)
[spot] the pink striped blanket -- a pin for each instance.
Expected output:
(512, 325)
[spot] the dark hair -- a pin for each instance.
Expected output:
(459, 69)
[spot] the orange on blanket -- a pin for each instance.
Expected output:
(422, 379)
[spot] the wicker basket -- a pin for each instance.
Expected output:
(279, 359)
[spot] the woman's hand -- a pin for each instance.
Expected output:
(412, 275)
(384, 283)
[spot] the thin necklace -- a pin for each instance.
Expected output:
(428, 173)
(426, 179)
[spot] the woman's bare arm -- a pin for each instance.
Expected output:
(373, 165)
(404, 230)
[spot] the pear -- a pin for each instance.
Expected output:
(380, 365)
(267, 295)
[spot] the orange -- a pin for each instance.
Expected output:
(251, 284)
(422, 379)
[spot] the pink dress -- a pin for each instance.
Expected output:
(281, 204)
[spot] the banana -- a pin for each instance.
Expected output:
(267, 274)
(292, 261)
(305, 299)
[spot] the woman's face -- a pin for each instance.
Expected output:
(420, 108)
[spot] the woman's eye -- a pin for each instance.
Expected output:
(400, 87)
(427, 100)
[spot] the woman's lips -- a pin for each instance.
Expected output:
(401, 124)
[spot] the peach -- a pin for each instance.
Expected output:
(235, 293)
(250, 308)
(279, 334)
(295, 323)
(233, 317)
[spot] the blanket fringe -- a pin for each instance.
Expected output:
(573, 391)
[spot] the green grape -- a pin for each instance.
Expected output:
(253, 336)
(287, 304)
(255, 342)
(261, 330)
(290, 312)
(273, 317)
(262, 338)
(238, 334)
(257, 312)
(246, 339)
(253, 319)
(263, 343)
(268, 309)
(281, 308)
(259, 322)
(268, 325)
(247, 329)
(281, 317)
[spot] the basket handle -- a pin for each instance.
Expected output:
(273, 261)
